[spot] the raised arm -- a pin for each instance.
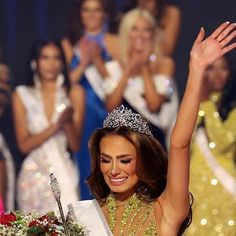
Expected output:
(77, 97)
(175, 199)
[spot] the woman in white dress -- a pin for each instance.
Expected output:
(47, 117)
(143, 78)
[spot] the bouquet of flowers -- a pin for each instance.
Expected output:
(33, 224)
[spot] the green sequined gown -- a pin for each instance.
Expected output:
(214, 208)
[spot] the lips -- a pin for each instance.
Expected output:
(117, 181)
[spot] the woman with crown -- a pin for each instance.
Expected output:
(141, 192)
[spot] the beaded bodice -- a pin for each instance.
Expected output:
(137, 217)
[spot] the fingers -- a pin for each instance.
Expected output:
(201, 35)
(229, 48)
(226, 32)
(225, 41)
(217, 32)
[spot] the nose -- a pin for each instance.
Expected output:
(115, 169)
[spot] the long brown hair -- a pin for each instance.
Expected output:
(74, 26)
(160, 9)
(151, 163)
(151, 166)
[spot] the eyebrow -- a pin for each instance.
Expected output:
(119, 156)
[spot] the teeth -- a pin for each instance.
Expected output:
(118, 180)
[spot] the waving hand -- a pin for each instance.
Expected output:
(206, 51)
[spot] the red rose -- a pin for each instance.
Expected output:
(54, 234)
(33, 223)
(7, 218)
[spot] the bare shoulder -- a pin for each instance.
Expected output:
(164, 65)
(111, 42)
(15, 95)
(67, 47)
(111, 38)
(172, 11)
(172, 16)
(17, 102)
(65, 42)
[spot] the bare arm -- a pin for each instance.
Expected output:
(99, 63)
(204, 52)
(86, 49)
(68, 51)
(153, 98)
(77, 96)
(77, 73)
(110, 42)
(115, 99)
(25, 140)
(70, 131)
(171, 23)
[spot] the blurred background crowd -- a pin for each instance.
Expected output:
(65, 64)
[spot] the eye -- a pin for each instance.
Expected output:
(43, 57)
(125, 161)
(104, 160)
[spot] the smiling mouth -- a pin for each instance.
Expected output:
(117, 181)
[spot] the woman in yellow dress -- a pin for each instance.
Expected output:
(213, 170)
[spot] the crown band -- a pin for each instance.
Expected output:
(124, 117)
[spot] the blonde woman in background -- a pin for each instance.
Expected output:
(143, 78)
(168, 21)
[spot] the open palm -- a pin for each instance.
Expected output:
(206, 51)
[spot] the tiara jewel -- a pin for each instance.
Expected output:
(122, 116)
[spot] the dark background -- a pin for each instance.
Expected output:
(23, 22)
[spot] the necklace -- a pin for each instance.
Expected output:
(138, 214)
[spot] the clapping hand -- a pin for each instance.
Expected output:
(65, 116)
(140, 58)
(205, 51)
(86, 51)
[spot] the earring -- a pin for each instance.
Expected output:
(33, 65)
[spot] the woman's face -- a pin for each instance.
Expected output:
(49, 63)
(141, 34)
(149, 5)
(92, 14)
(118, 160)
(217, 74)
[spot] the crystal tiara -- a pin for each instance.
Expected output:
(124, 117)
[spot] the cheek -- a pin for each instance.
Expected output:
(133, 34)
(104, 168)
(41, 65)
(84, 17)
(98, 16)
(130, 169)
(147, 35)
(58, 64)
